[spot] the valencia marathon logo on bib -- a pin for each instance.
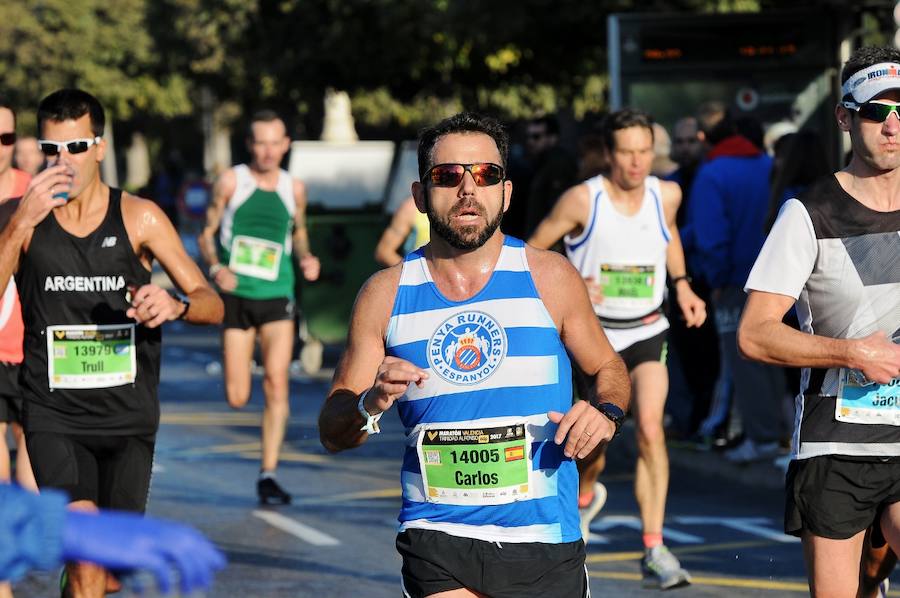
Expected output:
(467, 347)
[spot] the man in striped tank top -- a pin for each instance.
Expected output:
(469, 337)
(620, 232)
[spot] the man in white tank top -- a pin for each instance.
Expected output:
(620, 233)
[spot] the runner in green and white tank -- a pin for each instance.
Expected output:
(255, 226)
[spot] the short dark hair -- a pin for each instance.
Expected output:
(863, 58)
(464, 122)
(550, 122)
(4, 103)
(624, 119)
(71, 104)
(263, 116)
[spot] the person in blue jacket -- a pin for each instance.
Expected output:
(38, 532)
(727, 214)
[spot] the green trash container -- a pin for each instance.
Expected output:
(344, 242)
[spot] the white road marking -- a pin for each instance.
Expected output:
(602, 524)
(295, 528)
(755, 526)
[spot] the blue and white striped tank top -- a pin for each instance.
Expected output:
(490, 358)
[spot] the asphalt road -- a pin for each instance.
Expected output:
(337, 538)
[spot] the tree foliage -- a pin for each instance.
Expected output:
(404, 62)
(93, 44)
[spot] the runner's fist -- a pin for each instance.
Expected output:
(393, 378)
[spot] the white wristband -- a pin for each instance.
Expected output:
(371, 425)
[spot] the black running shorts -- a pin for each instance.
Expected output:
(837, 497)
(10, 393)
(113, 472)
(649, 349)
(437, 562)
(252, 313)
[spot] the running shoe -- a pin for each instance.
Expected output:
(270, 492)
(662, 569)
(588, 513)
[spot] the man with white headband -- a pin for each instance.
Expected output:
(834, 254)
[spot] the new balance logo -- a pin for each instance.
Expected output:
(108, 242)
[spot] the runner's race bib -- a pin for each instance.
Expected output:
(257, 258)
(475, 466)
(861, 401)
(91, 356)
(627, 286)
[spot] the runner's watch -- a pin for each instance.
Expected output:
(183, 299)
(371, 425)
(613, 413)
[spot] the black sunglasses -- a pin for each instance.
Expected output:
(7, 138)
(485, 174)
(74, 146)
(873, 111)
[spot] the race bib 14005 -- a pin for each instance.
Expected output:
(475, 466)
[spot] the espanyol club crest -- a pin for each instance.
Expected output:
(467, 347)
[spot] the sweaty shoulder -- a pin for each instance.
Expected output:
(671, 194)
(554, 276)
(580, 193)
(143, 217)
(375, 299)
(299, 189)
(670, 190)
(383, 281)
(226, 182)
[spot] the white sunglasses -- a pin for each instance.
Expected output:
(73, 146)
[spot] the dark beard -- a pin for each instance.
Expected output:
(466, 237)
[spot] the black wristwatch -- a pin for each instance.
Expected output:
(612, 412)
(183, 299)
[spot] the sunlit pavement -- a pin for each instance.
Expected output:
(337, 538)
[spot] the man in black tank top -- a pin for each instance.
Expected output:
(82, 253)
(834, 255)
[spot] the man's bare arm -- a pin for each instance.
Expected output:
(762, 336)
(387, 250)
(222, 192)
(563, 291)
(309, 264)
(301, 234)
(157, 238)
(693, 309)
(34, 206)
(340, 420)
(569, 215)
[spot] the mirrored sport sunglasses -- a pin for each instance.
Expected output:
(7, 138)
(874, 111)
(73, 146)
(485, 174)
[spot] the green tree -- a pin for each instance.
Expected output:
(103, 48)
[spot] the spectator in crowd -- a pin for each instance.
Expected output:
(28, 156)
(728, 207)
(553, 170)
(693, 359)
(663, 165)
